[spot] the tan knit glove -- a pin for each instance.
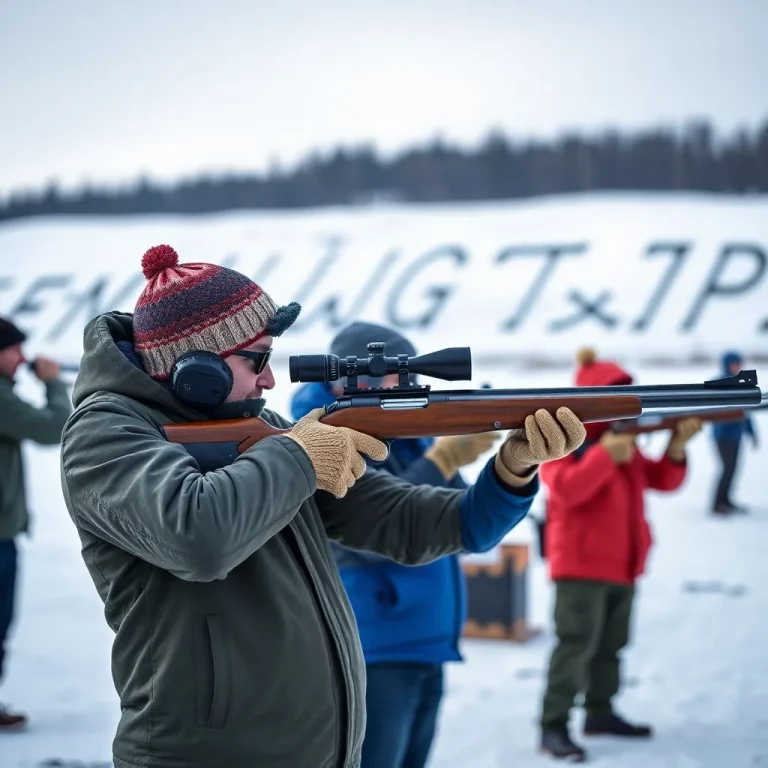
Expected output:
(335, 451)
(543, 439)
(685, 430)
(451, 452)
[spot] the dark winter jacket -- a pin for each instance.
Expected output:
(235, 644)
(19, 421)
(403, 613)
(732, 431)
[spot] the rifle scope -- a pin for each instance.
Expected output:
(450, 364)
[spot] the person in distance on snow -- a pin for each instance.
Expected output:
(20, 421)
(597, 540)
(728, 437)
(235, 644)
(410, 619)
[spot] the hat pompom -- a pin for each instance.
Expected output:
(158, 258)
(586, 356)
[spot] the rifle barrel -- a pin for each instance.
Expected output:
(671, 398)
(736, 391)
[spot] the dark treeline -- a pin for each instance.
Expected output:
(651, 160)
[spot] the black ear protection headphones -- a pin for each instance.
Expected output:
(203, 378)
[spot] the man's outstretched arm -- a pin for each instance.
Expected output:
(417, 524)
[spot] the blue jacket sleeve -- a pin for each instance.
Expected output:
(749, 427)
(308, 397)
(490, 509)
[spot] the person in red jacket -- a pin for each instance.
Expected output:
(597, 540)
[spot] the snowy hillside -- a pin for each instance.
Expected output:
(642, 276)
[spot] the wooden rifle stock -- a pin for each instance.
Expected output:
(446, 418)
(243, 432)
(434, 420)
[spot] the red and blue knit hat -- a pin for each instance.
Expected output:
(195, 307)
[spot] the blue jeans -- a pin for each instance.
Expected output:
(8, 561)
(402, 703)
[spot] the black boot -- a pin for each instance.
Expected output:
(11, 721)
(613, 725)
(558, 744)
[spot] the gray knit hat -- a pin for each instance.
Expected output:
(354, 338)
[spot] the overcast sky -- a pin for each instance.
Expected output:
(106, 90)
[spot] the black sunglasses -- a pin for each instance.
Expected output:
(261, 358)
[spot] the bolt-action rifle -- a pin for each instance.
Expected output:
(410, 409)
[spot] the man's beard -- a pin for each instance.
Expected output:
(238, 409)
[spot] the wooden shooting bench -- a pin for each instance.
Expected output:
(497, 596)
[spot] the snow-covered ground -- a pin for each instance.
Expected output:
(697, 667)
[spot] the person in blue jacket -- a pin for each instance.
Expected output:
(410, 618)
(728, 436)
